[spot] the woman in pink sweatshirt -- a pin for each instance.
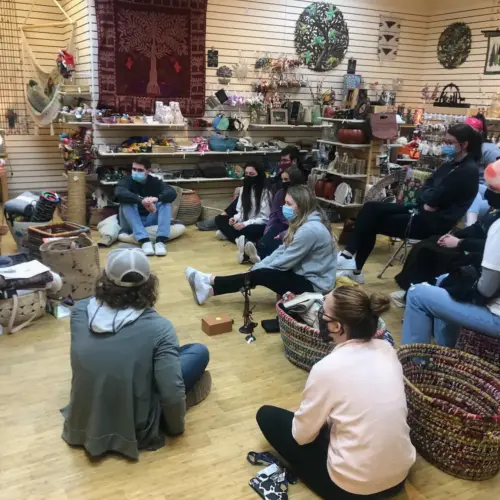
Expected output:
(349, 439)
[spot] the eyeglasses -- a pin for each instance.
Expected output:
(322, 315)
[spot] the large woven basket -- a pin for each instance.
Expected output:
(190, 207)
(480, 345)
(453, 409)
(20, 311)
(303, 345)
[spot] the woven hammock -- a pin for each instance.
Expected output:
(49, 113)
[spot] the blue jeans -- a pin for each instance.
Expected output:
(267, 244)
(194, 360)
(479, 206)
(131, 221)
(430, 311)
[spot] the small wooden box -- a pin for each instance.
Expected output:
(214, 324)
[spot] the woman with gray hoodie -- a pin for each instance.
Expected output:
(305, 262)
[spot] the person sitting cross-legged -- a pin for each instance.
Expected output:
(145, 201)
(131, 382)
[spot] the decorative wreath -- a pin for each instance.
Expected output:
(454, 45)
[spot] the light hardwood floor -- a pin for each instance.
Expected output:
(209, 460)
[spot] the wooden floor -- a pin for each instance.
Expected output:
(209, 460)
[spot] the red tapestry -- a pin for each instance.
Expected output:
(151, 50)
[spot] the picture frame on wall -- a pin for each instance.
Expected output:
(492, 61)
(278, 116)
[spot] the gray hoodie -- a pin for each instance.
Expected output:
(312, 254)
(126, 377)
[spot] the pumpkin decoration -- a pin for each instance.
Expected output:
(351, 136)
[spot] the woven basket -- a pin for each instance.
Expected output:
(480, 345)
(453, 409)
(77, 197)
(190, 207)
(209, 213)
(303, 345)
(20, 311)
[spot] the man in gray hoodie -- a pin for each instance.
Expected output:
(131, 381)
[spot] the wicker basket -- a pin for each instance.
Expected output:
(480, 345)
(208, 213)
(163, 149)
(303, 345)
(453, 409)
(190, 207)
(36, 235)
(20, 311)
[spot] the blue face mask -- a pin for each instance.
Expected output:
(449, 151)
(139, 176)
(288, 212)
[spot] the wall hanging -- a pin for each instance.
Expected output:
(454, 45)
(156, 51)
(451, 98)
(388, 38)
(213, 58)
(321, 36)
(492, 62)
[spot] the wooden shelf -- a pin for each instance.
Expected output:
(343, 145)
(183, 181)
(277, 126)
(141, 125)
(338, 174)
(73, 124)
(335, 203)
(196, 153)
(342, 120)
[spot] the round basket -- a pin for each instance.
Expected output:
(19, 311)
(453, 409)
(190, 207)
(303, 345)
(480, 345)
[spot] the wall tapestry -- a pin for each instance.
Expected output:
(321, 36)
(152, 50)
(492, 62)
(454, 45)
(388, 38)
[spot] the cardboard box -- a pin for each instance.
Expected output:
(214, 324)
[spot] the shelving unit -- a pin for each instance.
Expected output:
(277, 126)
(343, 145)
(140, 125)
(184, 181)
(342, 120)
(195, 153)
(338, 174)
(339, 205)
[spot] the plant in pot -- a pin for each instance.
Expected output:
(255, 104)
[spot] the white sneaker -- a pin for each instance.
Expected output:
(220, 235)
(148, 249)
(358, 278)
(240, 243)
(344, 264)
(160, 249)
(398, 298)
(251, 252)
(200, 285)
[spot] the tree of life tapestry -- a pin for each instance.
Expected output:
(151, 50)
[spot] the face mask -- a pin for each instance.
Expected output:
(284, 164)
(138, 176)
(449, 151)
(492, 198)
(288, 212)
(324, 332)
(285, 184)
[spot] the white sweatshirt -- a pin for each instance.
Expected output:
(253, 217)
(358, 390)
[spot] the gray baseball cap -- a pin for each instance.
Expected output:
(127, 260)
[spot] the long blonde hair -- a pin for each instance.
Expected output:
(306, 204)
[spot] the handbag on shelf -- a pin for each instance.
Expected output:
(384, 125)
(213, 169)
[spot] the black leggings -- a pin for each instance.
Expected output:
(309, 461)
(278, 281)
(390, 219)
(252, 232)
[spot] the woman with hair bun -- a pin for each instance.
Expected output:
(349, 439)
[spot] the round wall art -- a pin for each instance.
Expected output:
(454, 45)
(321, 36)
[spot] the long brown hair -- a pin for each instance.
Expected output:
(358, 311)
(306, 204)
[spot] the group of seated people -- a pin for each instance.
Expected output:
(132, 381)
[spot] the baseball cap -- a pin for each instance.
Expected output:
(127, 260)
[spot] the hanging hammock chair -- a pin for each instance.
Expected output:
(42, 90)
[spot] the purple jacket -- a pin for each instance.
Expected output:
(276, 218)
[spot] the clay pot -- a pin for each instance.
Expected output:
(190, 207)
(329, 191)
(319, 189)
(351, 136)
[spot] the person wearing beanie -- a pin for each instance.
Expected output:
(131, 380)
(490, 154)
(468, 297)
(438, 255)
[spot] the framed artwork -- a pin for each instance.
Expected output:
(278, 116)
(492, 62)
(321, 36)
(454, 45)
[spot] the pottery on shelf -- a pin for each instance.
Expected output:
(319, 188)
(351, 136)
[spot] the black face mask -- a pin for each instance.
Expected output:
(250, 181)
(324, 332)
(492, 198)
(285, 185)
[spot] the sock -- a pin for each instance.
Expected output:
(161, 239)
(346, 256)
(144, 240)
